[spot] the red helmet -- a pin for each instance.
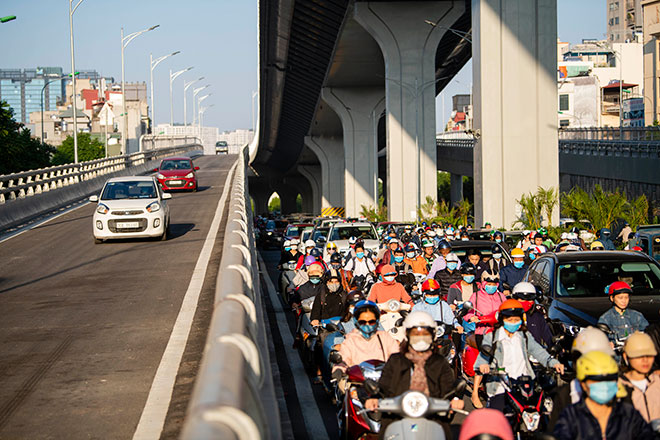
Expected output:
(430, 285)
(618, 287)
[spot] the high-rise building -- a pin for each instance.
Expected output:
(624, 20)
(22, 88)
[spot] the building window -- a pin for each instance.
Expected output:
(563, 123)
(616, 20)
(563, 103)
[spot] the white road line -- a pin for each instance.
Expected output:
(155, 410)
(26, 228)
(311, 414)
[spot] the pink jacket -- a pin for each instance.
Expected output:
(484, 304)
(355, 349)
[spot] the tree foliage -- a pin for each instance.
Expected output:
(378, 214)
(18, 150)
(535, 205)
(442, 212)
(603, 208)
(88, 149)
(274, 205)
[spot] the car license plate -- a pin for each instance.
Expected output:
(175, 182)
(128, 225)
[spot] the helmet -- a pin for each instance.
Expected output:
(597, 245)
(430, 285)
(410, 248)
(316, 253)
(286, 243)
(330, 276)
(618, 287)
(315, 267)
(543, 231)
(639, 344)
(398, 250)
(511, 307)
(596, 365)
(444, 244)
(419, 319)
(495, 249)
(392, 240)
(468, 269)
(430, 233)
(354, 297)
(365, 305)
(331, 245)
(427, 243)
(524, 291)
(487, 422)
(497, 234)
(335, 258)
(310, 243)
(517, 253)
(592, 339)
(387, 268)
(352, 240)
(309, 260)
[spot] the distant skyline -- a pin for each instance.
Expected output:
(218, 37)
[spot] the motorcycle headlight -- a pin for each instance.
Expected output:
(548, 404)
(153, 207)
(572, 330)
(531, 420)
(190, 175)
(414, 404)
(102, 209)
(160, 176)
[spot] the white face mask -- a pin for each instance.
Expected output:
(420, 342)
(389, 279)
(333, 287)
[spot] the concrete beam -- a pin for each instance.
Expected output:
(515, 101)
(455, 188)
(330, 153)
(312, 198)
(409, 47)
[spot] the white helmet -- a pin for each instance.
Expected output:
(352, 240)
(592, 339)
(419, 319)
(295, 241)
(286, 243)
(310, 243)
(523, 288)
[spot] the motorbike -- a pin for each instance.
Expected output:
(391, 319)
(287, 273)
(307, 334)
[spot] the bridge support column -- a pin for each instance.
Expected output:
(312, 197)
(288, 196)
(357, 108)
(516, 111)
(330, 153)
(409, 47)
(455, 188)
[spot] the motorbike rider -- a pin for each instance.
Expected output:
(360, 264)
(448, 275)
(463, 289)
(513, 274)
(404, 270)
(289, 253)
(330, 250)
(604, 236)
(416, 261)
(622, 320)
(309, 246)
(416, 367)
(496, 263)
(474, 256)
(599, 415)
(330, 301)
(639, 379)
(428, 252)
(435, 306)
(385, 255)
(526, 293)
(335, 268)
(511, 345)
(498, 238)
(444, 247)
(486, 424)
(310, 288)
(388, 288)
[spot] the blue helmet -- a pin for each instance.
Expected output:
(366, 305)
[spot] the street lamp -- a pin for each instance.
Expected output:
(187, 85)
(195, 92)
(174, 76)
(153, 63)
(125, 40)
(59, 78)
(9, 18)
(201, 114)
(254, 94)
(72, 10)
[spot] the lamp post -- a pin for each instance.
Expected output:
(186, 86)
(8, 18)
(72, 10)
(254, 93)
(174, 76)
(199, 103)
(195, 92)
(125, 41)
(59, 78)
(153, 63)
(201, 115)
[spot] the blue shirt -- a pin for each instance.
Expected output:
(511, 276)
(624, 325)
(439, 311)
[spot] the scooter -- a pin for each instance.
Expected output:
(391, 318)
(287, 273)
(307, 334)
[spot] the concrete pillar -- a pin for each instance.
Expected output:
(514, 64)
(357, 107)
(409, 47)
(287, 199)
(455, 188)
(330, 153)
(313, 174)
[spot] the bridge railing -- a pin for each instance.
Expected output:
(611, 133)
(155, 141)
(616, 148)
(234, 396)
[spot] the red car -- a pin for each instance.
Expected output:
(177, 173)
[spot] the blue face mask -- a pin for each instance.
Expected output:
(532, 256)
(315, 280)
(490, 289)
(498, 240)
(452, 265)
(512, 328)
(410, 255)
(603, 392)
(360, 255)
(468, 279)
(432, 299)
(398, 258)
(366, 330)
(287, 249)
(518, 264)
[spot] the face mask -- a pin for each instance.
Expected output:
(366, 330)
(287, 249)
(420, 342)
(490, 289)
(389, 279)
(497, 256)
(398, 258)
(465, 239)
(468, 279)
(532, 257)
(518, 264)
(432, 299)
(360, 255)
(315, 280)
(350, 309)
(498, 240)
(452, 265)
(336, 266)
(333, 287)
(603, 392)
(410, 255)
(512, 328)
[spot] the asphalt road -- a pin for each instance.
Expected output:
(83, 326)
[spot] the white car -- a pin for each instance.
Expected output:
(340, 233)
(131, 207)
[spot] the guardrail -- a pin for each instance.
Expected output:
(154, 141)
(455, 142)
(32, 193)
(641, 149)
(651, 134)
(234, 396)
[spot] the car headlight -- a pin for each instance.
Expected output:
(160, 176)
(190, 175)
(548, 404)
(102, 209)
(270, 233)
(531, 420)
(414, 404)
(153, 207)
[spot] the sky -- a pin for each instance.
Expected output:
(217, 37)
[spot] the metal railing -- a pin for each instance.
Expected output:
(455, 143)
(234, 396)
(154, 141)
(649, 134)
(31, 183)
(616, 148)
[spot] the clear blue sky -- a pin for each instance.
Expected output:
(218, 37)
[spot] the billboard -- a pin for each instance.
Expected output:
(633, 112)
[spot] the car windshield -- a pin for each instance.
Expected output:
(346, 232)
(178, 164)
(129, 190)
(320, 232)
(293, 231)
(589, 279)
(485, 251)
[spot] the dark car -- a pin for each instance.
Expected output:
(460, 248)
(480, 234)
(272, 233)
(294, 230)
(573, 283)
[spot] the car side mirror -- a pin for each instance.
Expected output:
(467, 305)
(155, 170)
(321, 240)
(196, 168)
(167, 196)
(372, 387)
(332, 327)
(335, 357)
(94, 199)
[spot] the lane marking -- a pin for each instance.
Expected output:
(28, 227)
(311, 413)
(155, 409)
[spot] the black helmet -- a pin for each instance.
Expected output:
(497, 233)
(468, 269)
(444, 244)
(316, 253)
(335, 258)
(330, 276)
(354, 297)
(495, 249)
(575, 230)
